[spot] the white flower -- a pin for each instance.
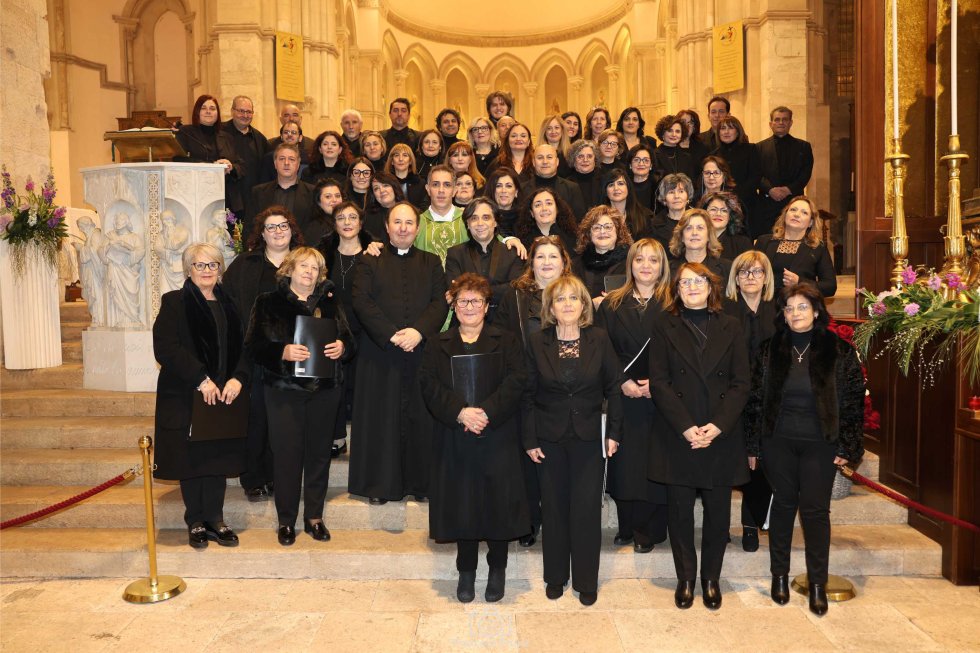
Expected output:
(32, 217)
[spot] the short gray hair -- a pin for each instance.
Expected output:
(352, 112)
(580, 145)
(208, 250)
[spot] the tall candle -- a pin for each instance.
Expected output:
(895, 69)
(954, 19)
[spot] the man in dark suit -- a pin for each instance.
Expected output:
(719, 108)
(400, 111)
(546, 175)
(250, 146)
(287, 190)
(787, 164)
(352, 123)
(291, 113)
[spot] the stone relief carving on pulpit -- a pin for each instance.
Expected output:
(92, 268)
(169, 247)
(124, 254)
(218, 236)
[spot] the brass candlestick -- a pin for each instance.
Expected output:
(955, 247)
(900, 236)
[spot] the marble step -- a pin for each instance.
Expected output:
(76, 402)
(71, 352)
(66, 376)
(879, 550)
(74, 312)
(71, 330)
(123, 507)
(75, 432)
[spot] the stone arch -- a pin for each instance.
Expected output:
(591, 66)
(624, 90)
(459, 90)
(392, 74)
(421, 68)
(390, 52)
(464, 63)
(544, 68)
(508, 67)
(593, 50)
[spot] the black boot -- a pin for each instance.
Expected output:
(711, 594)
(464, 590)
(496, 582)
(818, 599)
(684, 594)
(780, 589)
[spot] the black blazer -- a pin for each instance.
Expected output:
(505, 265)
(264, 196)
(812, 264)
(249, 150)
(566, 190)
(201, 148)
(733, 244)
(720, 265)
(795, 172)
(758, 326)
(668, 160)
(693, 387)
(551, 407)
(628, 330)
(744, 162)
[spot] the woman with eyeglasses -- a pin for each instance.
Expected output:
(401, 165)
(483, 139)
(694, 241)
(728, 223)
(699, 380)
(359, 176)
(749, 299)
(715, 177)
(602, 244)
(197, 339)
(611, 149)
(253, 272)
(584, 155)
(796, 248)
(478, 487)
(292, 134)
(804, 417)
(464, 189)
(639, 161)
(627, 314)
(430, 152)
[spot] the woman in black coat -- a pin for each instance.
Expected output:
(627, 314)
(694, 241)
(571, 369)
(583, 157)
(670, 158)
(603, 242)
(796, 249)
(804, 417)
(478, 492)
(197, 339)
(728, 223)
(298, 401)
(543, 213)
(742, 158)
(699, 380)
(205, 142)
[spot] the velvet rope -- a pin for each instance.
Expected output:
(905, 501)
(17, 521)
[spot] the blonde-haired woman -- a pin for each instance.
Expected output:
(627, 314)
(796, 249)
(299, 406)
(197, 339)
(485, 142)
(461, 158)
(402, 165)
(553, 133)
(694, 241)
(572, 368)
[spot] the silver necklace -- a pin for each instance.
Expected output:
(345, 270)
(640, 300)
(799, 354)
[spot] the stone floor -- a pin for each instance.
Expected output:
(890, 614)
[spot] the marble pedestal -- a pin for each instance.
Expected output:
(119, 360)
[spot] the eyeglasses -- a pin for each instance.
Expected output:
(360, 173)
(694, 282)
(290, 132)
(481, 129)
(799, 308)
(719, 209)
(244, 112)
(201, 267)
(712, 173)
(477, 302)
(281, 226)
(752, 273)
(609, 143)
(641, 160)
(347, 218)
(585, 155)
(606, 226)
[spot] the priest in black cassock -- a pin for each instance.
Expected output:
(400, 299)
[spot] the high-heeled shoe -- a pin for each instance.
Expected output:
(529, 539)
(780, 589)
(317, 530)
(710, 594)
(465, 590)
(818, 599)
(684, 594)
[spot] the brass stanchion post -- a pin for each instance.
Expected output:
(154, 588)
(900, 237)
(954, 223)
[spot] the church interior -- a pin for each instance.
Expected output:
(887, 94)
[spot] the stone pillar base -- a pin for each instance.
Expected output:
(119, 360)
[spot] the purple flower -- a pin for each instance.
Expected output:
(953, 281)
(908, 276)
(230, 217)
(935, 283)
(53, 221)
(29, 186)
(59, 212)
(48, 194)
(878, 308)
(911, 309)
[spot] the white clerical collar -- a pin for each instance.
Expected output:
(403, 252)
(437, 217)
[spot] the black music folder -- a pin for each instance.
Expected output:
(218, 422)
(613, 281)
(477, 376)
(315, 333)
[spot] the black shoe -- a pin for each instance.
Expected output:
(257, 494)
(287, 535)
(270, 488)
(338, 450)
(220, 533)
(750, 539)
(465, 591)
(375, 501)
(197, 536)
(642, 548)
(496, 582)
(622, 539)
(587, 598)
(780, 589)
(530, 538)
(710, 594)
(684, 594)
(818, 599)
(317, 530)
(554, 591)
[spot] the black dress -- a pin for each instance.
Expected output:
(743, 160)
(812, 264)
(733, 244)
(669, 160)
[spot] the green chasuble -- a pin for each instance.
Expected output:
(437, 237)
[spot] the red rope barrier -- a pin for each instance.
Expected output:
(17, 521)
(905, 501)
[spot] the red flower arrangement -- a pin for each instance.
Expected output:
(872, 418)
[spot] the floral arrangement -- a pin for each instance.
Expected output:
(926, 308)
(237, 235)
(31, 222)
(872, 418)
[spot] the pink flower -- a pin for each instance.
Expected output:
(908, 276)
(5, 220)
(59, 213)
(878, 308)
(29, 186)
(953, 281)
(935, 283)
(911, 309)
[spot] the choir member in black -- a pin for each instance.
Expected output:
(749, 296)
(374, 148)
(359, 176)
(639, 161)
(205, 141)
(670, 158)
(460, 158)
(503, 126)
(612, 147)
(331, 158)
(328, 194)
(483, 139)
(401, 165)
(288, 190)
(571, 368)
(552, 133)
(627, 315)
(620, 195)
(290, 133)
(584, 154)
(197, 339)
(342, 250)
(385, 193)
(694, 241)
(250, 146)
(673, 196)
(516, 152)
(478, 492)
(631, 125)
(796, 249)
(299, 405)
(699, 380)
(573, 126)
(692, 142)
(728, 222)
(400, 299)
(787, 164)
(274, 234)
(447, 122)
(543, 213)
(804, 417)
(742, 158)
(715, 177)
(503, 188)
(483, 254)
(464, 189)
(430, 152)
(499, 105)
(597, 120)
(352, 123)
(602, 245)
(546, 164)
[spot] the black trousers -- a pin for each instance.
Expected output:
(532, 487)
(301, 435)
(467, 554)
(346, 403)
(756, 497)
(258, 461)
(645, 520)
(204, 499)
(801, 473)
(717, 504)
(571, 510)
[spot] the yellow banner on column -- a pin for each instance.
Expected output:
(728, 57)
(290, 84)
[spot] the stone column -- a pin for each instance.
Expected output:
(615, 99)
(480, 92)
(438, 88)
(530, 91)
(400, 76)
(575, 92)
